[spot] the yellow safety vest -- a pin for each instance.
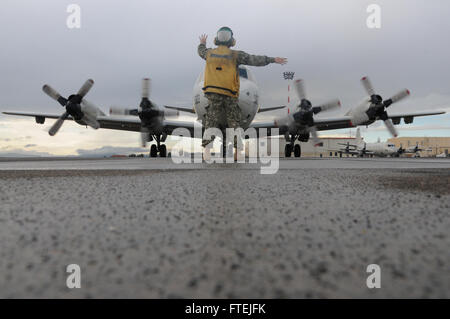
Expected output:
(221, 72)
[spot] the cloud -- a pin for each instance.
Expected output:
(109, 151)
(30, 145)
(15, 152)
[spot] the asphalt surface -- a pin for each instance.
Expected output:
(148, 228)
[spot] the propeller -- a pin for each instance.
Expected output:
(417, 148)
(73, 107)
(363, 150)
(347, 147)
(149, 113)
(305, 114)
(401, 150)
(378, 106)
(145, 136)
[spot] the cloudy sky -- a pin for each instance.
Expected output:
(327, 43)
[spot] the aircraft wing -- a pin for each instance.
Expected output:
(322, 124)
(44, 115)
(133, 123)
(267, 109)
(126, 123)
(339, 122)
(123, 123)
(182, 109)
(170, 125)
(343, 151)
(116, 122)
(269, 124)
(398, 116)
(333, 123)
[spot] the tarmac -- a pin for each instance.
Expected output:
(149, 228)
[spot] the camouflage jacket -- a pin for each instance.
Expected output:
(243, 57)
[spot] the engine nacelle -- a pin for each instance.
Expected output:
(121, 111)
(396, 121)
(409, 119)
(304, 137)
(40, 119)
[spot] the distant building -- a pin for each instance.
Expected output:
(431, 146)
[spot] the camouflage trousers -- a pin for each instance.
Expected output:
(221, 107)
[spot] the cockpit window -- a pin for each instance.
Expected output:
(243, 73)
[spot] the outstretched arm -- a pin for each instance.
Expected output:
(202, 50)
(257, 60)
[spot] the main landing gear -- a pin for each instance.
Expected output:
(292, 147)
(288, 149)
(158, 148)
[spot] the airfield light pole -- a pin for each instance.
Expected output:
(289, 76)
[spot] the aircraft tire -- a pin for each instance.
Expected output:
(297, 150)
(162, 151)
(287, 150)
(153, 151)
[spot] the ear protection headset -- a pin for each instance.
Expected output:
(225, 37)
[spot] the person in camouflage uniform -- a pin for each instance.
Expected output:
(225, 105)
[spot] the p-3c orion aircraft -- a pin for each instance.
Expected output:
(156, 122)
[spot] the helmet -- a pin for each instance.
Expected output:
(225, 37)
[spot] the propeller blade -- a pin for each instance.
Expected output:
(397, 97)
(144, 138)
(299, 89)
(314, 136)
(122, 111)
(86, 87)
(54, 94)
(146, 88)
(391, 128)
(328, 106)
(57, 125)
(367, 85)
(359, 118)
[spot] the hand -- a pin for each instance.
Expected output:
(203, 38)
(280, 60)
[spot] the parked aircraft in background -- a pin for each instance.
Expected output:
(443, 155)
(362, 148)
(409, 150)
